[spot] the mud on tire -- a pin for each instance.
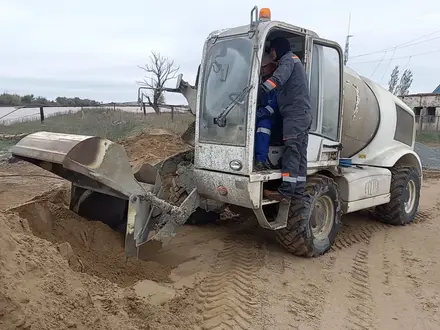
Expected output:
(314, 223)
(404, 201)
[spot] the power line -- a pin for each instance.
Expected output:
(397, 58)
(404, 45)
(397, 47)
(407, 63)
(378, 64)
(388, 65)
(423, 36)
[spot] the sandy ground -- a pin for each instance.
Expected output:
(59, 271)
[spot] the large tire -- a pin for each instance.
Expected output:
(305, 234)
(404, 201)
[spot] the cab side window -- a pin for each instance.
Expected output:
(324, 90)
(314, 89)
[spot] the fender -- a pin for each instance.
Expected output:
(400, 155)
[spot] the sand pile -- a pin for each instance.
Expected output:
(60, 271)
(93, 247)
(38, 290)
(148, 148)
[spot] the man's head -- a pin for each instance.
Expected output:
(268, 66)
(279, 47)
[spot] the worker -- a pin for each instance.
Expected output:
(267, 108)
(290, 80)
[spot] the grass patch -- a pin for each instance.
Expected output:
(428, 137)
(106, 123)
(111, 124)
(5, 145)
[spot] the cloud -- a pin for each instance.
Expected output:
(92, 48)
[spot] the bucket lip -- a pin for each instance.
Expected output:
(48, 146)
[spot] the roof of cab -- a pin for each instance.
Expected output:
(261, 26)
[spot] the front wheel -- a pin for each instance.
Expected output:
(314, 223)
(178, 194)
(404, 201)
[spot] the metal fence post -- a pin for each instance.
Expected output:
(41, 115)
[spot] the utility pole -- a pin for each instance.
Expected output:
(347, 42)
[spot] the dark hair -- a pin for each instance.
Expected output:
(281, 46)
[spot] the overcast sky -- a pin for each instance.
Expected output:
(91, 49)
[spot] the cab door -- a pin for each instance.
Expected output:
(325, 72)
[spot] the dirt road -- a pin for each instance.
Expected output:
(56, 268)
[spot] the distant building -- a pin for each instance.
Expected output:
(423, 104)
(427, 107)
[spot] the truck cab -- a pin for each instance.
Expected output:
(227, 100)
(230, 77)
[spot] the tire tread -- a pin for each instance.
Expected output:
(392, 213)
(296, 237)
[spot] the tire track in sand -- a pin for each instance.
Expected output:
(350, 303)
(227, 297)
(360, 313)
(386, 268)
(355, 231)
(337, 277)
(362, 230)
(395, 308)
(424, 215)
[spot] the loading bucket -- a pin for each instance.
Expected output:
(87, 161)
(103, 185)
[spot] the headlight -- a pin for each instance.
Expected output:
(235, 165)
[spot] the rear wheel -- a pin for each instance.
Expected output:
(404, 201)
(314, 223)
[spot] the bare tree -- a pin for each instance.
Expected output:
(393, 80)
(405, 83)
(159, 71)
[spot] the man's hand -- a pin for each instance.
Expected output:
(282, 73)
(260, 113)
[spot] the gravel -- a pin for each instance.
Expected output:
(429, 156)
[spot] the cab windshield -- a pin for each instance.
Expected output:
(226, 74)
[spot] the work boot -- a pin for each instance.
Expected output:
(274, 196)
(261, 166)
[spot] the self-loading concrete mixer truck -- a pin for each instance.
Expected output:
(360, 151)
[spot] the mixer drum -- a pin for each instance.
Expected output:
(361, 114)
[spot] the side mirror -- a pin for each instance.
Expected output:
(179, 80)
